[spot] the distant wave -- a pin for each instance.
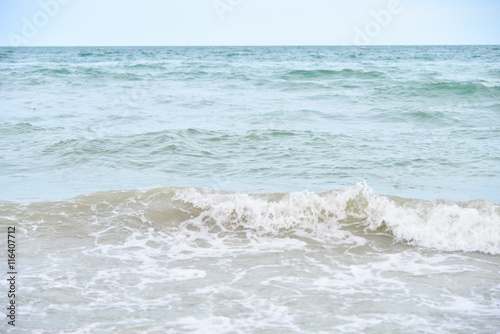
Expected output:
(80, 72)
(436, 89)
(461, 88)
(344, 73)
(419, 116)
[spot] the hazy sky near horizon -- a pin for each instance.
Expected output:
(248, 22)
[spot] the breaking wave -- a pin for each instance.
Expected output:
(443, 225)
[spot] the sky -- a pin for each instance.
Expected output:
(248, 22)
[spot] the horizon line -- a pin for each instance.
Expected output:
(242, 45)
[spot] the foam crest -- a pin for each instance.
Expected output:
(449, 226)
(444, 225)
(351, 215)
(270, 212)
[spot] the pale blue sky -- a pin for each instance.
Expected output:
(248, 22)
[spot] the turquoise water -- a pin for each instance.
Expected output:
(253, 189)
(418, 122)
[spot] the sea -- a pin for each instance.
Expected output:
(286, 189)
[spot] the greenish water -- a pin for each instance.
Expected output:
(418, 122)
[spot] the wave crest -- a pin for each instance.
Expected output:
(443, 225)
(336, 214)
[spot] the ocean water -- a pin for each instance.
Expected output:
(252, 189)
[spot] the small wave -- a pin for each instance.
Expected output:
(325, 74)
(265, 134)
(420, 116)
(47, 72)
(149, 65)
(127, 76)
(5, 55)
(20, 128)
(85, 54)
(460, 88)
(88, 71)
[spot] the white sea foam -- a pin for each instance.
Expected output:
(472, 226)
(449, 226)
(184, 259)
